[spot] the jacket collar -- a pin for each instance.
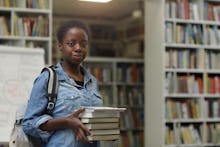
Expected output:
(63, 76)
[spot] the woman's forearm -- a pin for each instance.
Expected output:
(55, 124)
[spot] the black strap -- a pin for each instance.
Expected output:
(52, 87)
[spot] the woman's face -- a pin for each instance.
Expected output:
(75, 46)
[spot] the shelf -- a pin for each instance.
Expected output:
(27, 27)
(182, 82)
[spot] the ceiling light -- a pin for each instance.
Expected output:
(137, 13)
(97, 1)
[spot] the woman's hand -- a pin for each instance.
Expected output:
(74, 123)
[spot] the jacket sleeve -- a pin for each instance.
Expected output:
(35, 111)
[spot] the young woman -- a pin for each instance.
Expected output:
(77, 88)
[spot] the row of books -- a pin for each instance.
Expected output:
(192, 34)
(103, 73)
(4, 29)
(183, 9)
(192, 59)
(132, 96)
(212, 108)
(182, 108)
(212, 59)
(190, 108)
(31, 26)
(132, 139)
(212, 35)
(193, 134)
(8, 43)
(189, 34)
(103, 32)
(169, 135)
(183, 83)
(213, 131)
(106, 92)
(132, 119)
(9, 3)
(135, 30)
(182, 58)
(188, 9)
(211, 11)
(212, 84)
(184, 33)
(185, 134)
(190, 135)
(130, 73)
(103, 122)
(38, 4)
(102, 48)
(193, 83)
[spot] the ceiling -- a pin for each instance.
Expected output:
(116, 9)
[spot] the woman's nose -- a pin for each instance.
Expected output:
(77, 46)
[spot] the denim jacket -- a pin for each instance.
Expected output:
(70, 97)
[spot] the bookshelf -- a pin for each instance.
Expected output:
(103, 36)
(130, 37)
(182, 82)
(121, 84)
(27, 23)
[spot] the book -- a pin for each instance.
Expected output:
(105, 132)
(99, 112)
(102, 125)
(100, 120)
(103, 109)
(103, 137)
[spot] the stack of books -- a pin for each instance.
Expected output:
(103, 122)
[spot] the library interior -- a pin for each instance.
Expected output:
(158, 59)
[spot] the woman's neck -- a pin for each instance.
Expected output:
(73, 71)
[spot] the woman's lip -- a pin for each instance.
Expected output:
(77, 56)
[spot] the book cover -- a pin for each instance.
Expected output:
(99, 126)
(104, 131)
(103, 109)
(103, 137)
(100, 120)
(98, 112)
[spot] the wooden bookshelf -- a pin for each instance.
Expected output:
(182, 82)
(27, 24)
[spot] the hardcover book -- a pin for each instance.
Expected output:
(100, 120)
(102, 125)
(101, 112)
(103, 137)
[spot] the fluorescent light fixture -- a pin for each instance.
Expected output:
(97, 1)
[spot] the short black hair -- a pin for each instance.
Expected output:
(65, 27)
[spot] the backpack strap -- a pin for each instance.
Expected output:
(52, 88)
